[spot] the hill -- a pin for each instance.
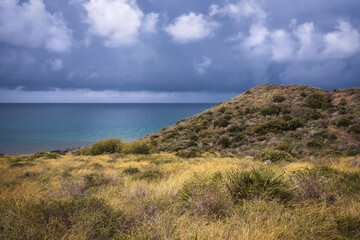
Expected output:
(300, 120)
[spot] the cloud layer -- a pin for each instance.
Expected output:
(177, 46)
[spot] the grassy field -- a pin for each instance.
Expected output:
(162, 196)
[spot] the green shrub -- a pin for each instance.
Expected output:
(271, 110)
(343, 122)
(355, 128)
(275, 156)
(193, 137)
(189, 153)
(294, 124)
(38, 155)
(222, 110)
(260, 182)
(285, 147)
(224, 141)
(315, 143)
(205, 195)
(52, 155)
(204, 133)
(287, 117)
(238, 137)
(106, 146)
(343, 102)
(136, 147)
(272, 125)
(317, 101)
(342, 110)
(278, 98)
(236, 128)
(222, 122)
(248, 92)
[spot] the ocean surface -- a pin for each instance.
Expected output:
(30, 128)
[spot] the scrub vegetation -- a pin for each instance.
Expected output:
(163, 196)
(277, 162)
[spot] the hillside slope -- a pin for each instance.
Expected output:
(301, 120)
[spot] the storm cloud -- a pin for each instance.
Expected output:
(176, 47)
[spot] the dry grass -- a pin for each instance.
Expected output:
(91, 197)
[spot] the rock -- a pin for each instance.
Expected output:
(267, 162)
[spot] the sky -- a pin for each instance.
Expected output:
(173, 50)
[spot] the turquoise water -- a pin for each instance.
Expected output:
(29, 128)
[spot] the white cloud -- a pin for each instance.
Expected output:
(120, 22)
(244, 8)
(191, 27)
(56, 64)
(150, 21)
(201, 67)
(28, 24)
(342, 43)
(303, 43)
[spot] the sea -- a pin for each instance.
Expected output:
(28, 128)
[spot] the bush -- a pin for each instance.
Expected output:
(315, 143)
(272, 125)
(224, 141)
(222, 110)
(314, 115)
(343, 122)
(355, 128)
(204, 133)
(271, 110)
(52, 155)
(294, 124)
(38, 155)
(189, 153)
(106, 146)
(205, 195)
(275, 156)
(285, 147)
(136, 147)
(248, 92)
(222, 122)
(343, 102)
(236, 128)
(317, 101)
(260, 182)
(278, 98)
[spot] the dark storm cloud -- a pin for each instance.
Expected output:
(178, 46)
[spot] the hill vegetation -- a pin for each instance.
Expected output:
(303, 121)
(277, 162)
